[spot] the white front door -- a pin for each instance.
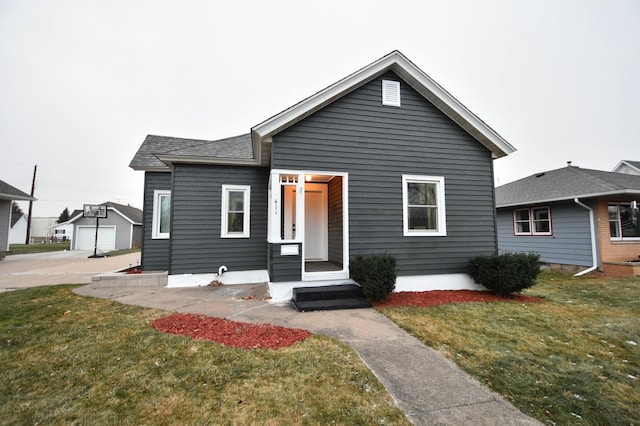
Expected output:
(316, 222)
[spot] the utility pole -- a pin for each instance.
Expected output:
(33, 190)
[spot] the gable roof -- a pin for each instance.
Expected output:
(158, 152)
(130, 213)
(8, 192)
(627, 166)
(415, 77)
(566, 184)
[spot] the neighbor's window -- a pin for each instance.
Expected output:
(532, 221)
(423, 206)
(161, 214)
(623, 221)
(235, 211)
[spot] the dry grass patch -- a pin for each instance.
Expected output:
(68, 359)
(573, 358)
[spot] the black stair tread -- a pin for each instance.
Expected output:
(318, 305)
(327, 292)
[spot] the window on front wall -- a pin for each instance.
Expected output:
(161, 222)
(532, 221)
(623, 221)
(235, 217)
(423, 206)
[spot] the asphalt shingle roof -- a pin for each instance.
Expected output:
(565, 184)
(8, 192)
(134, 214)
(236, 147)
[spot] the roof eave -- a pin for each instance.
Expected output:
(421, 82)
(14, 197)
(192, 159)
(571, 197)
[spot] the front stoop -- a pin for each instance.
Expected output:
(347, 296)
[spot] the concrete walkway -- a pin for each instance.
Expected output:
(430, 389)
(60, 267)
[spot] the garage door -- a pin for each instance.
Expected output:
(86, 238)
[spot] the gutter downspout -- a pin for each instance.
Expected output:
(594, 250)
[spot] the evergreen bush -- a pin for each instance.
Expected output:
(507, 273)
(376, 274)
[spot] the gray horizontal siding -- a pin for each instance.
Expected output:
(570, 243)
(376, 145)
(5, 224)
(284, 268)
(196, 246)
(155, 253)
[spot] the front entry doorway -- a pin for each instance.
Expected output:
(314, 214)
(316, 221)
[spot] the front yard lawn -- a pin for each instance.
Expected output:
(38, 247)
(571, 359)
(67, 359)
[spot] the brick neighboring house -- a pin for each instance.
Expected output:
(581, 218)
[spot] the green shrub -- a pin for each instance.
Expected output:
(376, 274)
(507, 273)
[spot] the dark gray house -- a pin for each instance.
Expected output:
(588, 219)
(383, 161)
(8, 194)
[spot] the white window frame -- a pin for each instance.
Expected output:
(158, 194)
(391, 93)
(224, 231)
(441, 229)
(532, 222)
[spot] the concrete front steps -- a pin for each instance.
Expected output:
(347, 296)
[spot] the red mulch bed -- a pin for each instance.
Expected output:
(230, 333)
(266, 336)
(425, 299)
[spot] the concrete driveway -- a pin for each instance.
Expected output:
(60, 267)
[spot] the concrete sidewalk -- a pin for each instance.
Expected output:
(60, 267)
(430, 389)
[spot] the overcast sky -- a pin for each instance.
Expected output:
(83, 82)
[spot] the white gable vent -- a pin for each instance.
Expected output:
(391, 93)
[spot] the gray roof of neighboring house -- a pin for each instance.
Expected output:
(157, 151)
(132, 213)
(8, 192)
(566, 184)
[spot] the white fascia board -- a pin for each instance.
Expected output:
(151, 168)
(571, 197)
(450, 106)
(421, 82)
(625, 163)
(12, 197)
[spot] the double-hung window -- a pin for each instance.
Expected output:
(235, 215)
(423, 206)
(532, 221)
(623, 221)
(161, 222)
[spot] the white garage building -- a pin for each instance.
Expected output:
(121, 229)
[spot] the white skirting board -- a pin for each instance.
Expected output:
(227, 278)
(283, 291)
